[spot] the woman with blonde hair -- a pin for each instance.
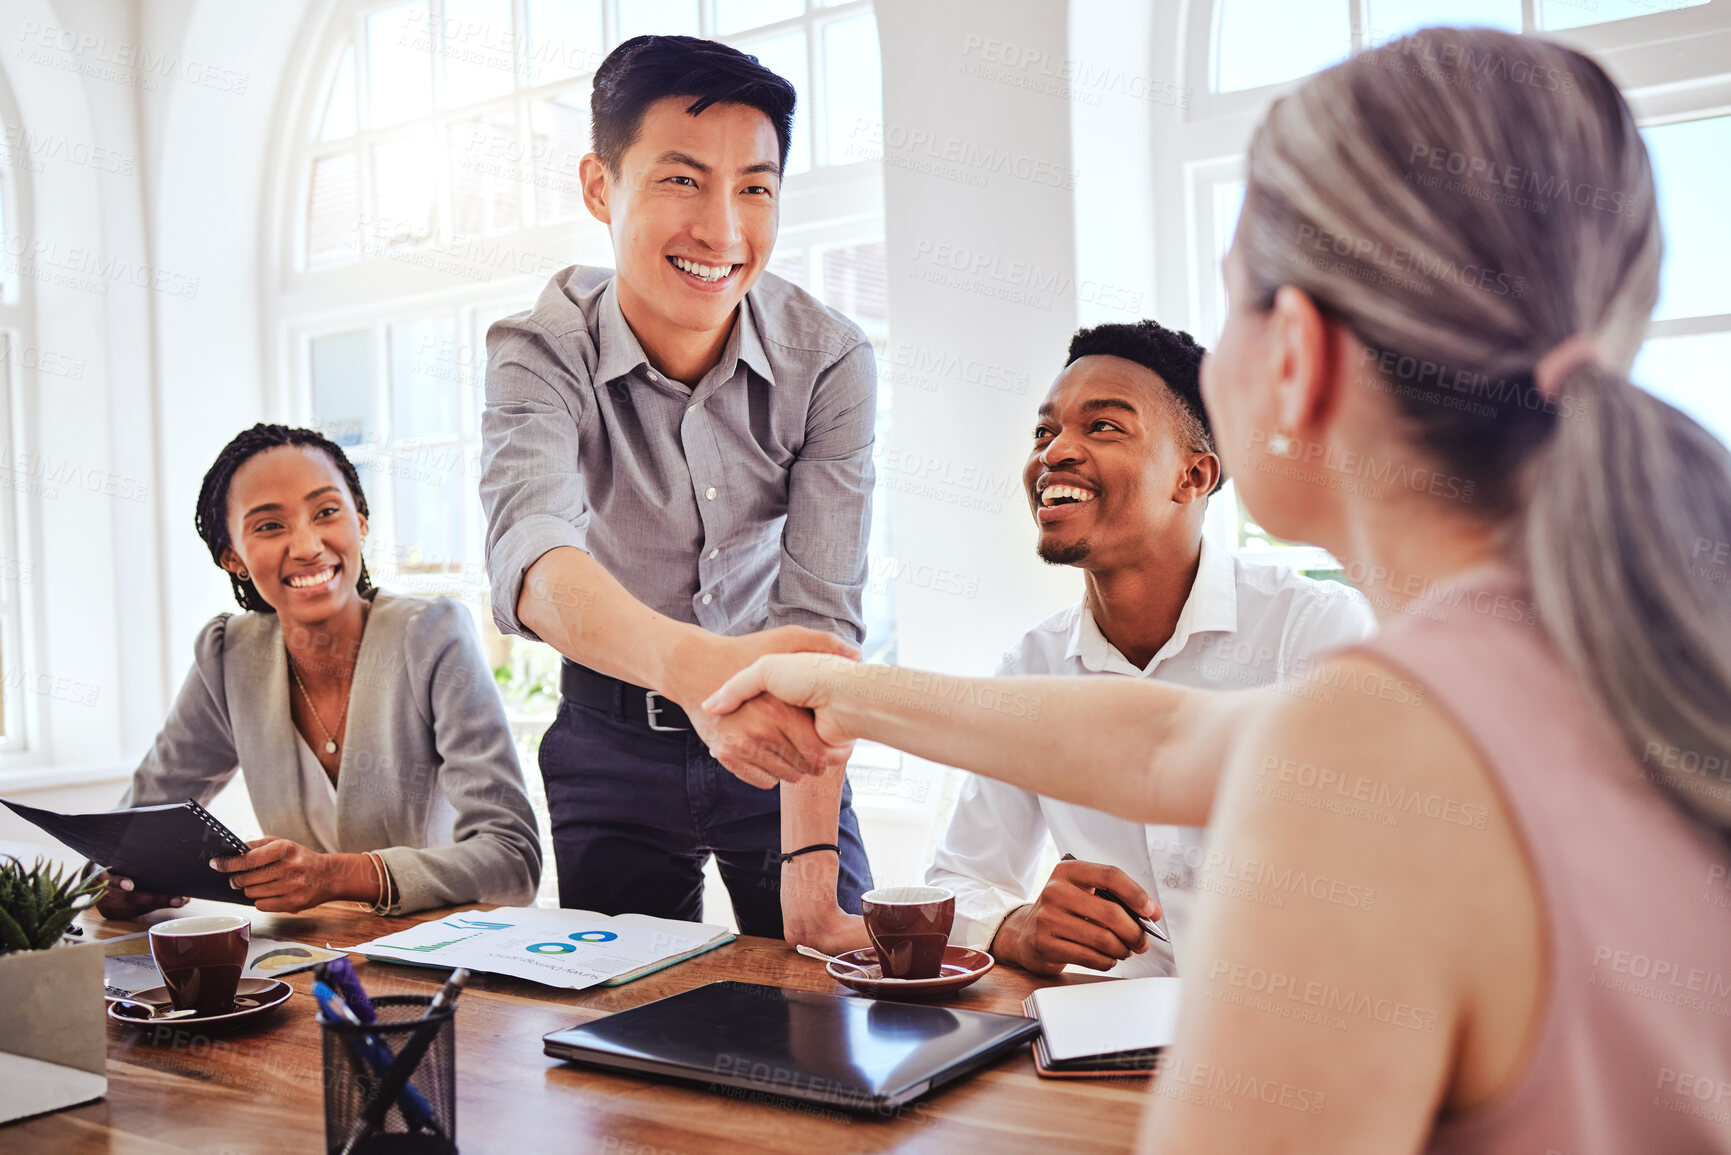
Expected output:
(1460, 877)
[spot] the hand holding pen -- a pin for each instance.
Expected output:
(1111, 896)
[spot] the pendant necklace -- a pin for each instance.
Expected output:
(330, 742)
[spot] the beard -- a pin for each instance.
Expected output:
(1072, 554)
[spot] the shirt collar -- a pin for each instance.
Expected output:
(621, 351)
(1212, 605)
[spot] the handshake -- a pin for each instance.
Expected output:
(760, 702)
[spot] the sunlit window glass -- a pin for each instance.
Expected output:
(1269, 41)
(399, 64)
(1692, 169)
(1555, 14)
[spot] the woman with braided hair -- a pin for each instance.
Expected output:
(1457, 894)
(373, 741)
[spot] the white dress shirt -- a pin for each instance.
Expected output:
(1242, 625)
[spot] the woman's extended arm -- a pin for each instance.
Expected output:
(810, 915)
(1145, 750)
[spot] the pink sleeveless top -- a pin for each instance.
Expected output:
(1633, 1046)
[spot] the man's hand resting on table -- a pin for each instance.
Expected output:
(764, 740)
(1069, 923)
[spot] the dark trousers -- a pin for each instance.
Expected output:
(636, 812)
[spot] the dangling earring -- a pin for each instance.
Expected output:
(1280, 445)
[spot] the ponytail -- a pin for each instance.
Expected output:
(1628, 548)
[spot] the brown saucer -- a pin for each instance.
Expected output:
(252, 998)
(962, 965)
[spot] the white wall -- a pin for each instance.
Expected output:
(184, 93)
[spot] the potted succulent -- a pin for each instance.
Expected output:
(54, 1051)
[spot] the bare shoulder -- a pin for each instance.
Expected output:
(1414, 882)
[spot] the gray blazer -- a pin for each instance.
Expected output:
(426, 735)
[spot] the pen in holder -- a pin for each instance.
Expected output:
(391, 1084)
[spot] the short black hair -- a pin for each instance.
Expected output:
(211, 518)
(1170, 354)
(646, 68)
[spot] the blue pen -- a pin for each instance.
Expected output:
(372, 1052)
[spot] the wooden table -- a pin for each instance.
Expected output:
(259, 1088)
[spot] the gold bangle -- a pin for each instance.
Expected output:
(379, 876)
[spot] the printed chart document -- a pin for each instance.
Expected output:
(560, 948)
(1104, 1027)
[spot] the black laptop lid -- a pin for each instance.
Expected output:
(851, 1053)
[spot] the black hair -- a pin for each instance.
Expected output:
(1171, 355)
(211, 520)
(646, 68)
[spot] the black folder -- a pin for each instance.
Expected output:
(164, 849)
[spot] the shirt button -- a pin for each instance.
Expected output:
(707, 598)
(714, 553)
(655, 377)
(709, 494)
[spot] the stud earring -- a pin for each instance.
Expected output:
(244, 576)
(1280, 445)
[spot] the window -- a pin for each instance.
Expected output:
(1689, 347)
(1261, 43)
(436, 189)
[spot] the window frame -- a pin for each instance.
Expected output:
(23, 742)
(1664, 81)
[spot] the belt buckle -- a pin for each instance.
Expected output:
(653, 712)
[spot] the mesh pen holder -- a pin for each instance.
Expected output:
(370, 1107)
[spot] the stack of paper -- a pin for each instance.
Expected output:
(561, 948)
(1103, 1028)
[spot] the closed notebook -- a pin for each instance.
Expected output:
(1113, 1027)
(165, 849)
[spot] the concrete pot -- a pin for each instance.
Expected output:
(54, 1050)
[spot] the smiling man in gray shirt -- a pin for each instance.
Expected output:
(677, 478)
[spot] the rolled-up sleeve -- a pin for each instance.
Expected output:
(531, 487)
(829, 504)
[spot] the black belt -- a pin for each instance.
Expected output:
(646, 707)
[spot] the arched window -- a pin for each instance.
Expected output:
(433, 188)
(1673, 61)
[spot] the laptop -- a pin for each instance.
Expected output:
(845, 1053)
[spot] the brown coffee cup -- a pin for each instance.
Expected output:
(201, 959)
(909, 927)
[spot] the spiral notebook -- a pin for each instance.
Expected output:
(165, 849)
